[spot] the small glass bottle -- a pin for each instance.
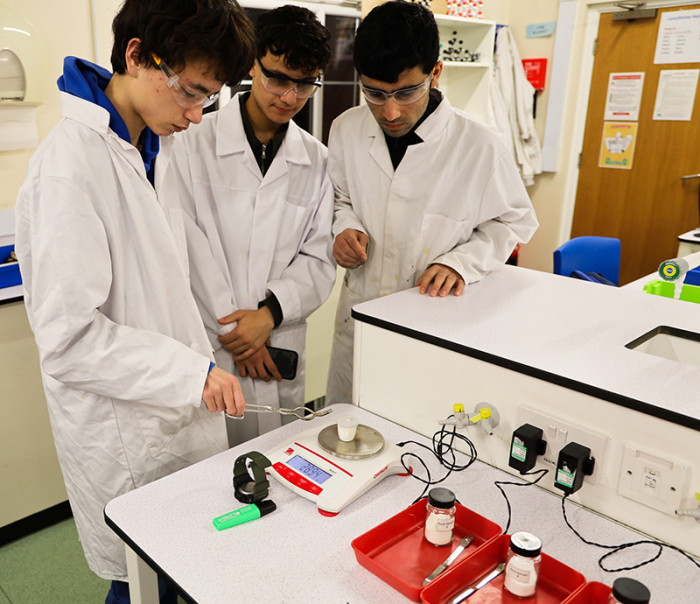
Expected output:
(440, 516)
(523, 564)
(629, 591)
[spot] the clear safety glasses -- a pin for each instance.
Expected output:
(403, 96)
(303, 89)
(186, 97)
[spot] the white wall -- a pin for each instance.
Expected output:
(553, 193)
(67, 29)
(547, 192)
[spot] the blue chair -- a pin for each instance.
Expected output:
(589, 254)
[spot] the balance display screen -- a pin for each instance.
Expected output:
(308, 469)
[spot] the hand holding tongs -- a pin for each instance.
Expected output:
(301, 412)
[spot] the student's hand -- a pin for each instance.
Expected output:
(258, 366)
(440, 279)
(251, 333)
(222, 392)
(350, 248)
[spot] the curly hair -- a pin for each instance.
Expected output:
(396, 36)
(217, 32)
(297, 34)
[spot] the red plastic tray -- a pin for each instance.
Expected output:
(397, 552)
(590, 593)
(556, 581)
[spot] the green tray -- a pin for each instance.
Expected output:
(689, 293)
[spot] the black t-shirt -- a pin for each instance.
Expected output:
(397, 145)
(264, 153)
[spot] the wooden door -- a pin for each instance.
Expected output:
(649, 205)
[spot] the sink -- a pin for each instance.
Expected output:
(669, 343)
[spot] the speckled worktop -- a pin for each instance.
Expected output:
(563, 330)
(296, 555)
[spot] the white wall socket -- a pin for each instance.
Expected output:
(558, 433)
(658, 482)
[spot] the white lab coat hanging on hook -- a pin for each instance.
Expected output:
(512, 105)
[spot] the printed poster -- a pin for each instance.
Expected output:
(617, 146)
(678, 40)
(675, 96)
(624, 96)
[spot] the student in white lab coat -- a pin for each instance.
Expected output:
(424, 195)
(255, 189)
(131, 390)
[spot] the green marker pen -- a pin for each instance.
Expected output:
(244, 514)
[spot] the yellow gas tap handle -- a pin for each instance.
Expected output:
(484, 413)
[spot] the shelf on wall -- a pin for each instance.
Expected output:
(467, 84)
(472, 64)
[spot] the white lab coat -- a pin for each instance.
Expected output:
(455, 199)
(123, 352)
(512, 105)
(250, 235)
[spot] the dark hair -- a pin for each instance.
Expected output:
(296, 33)
(396, 36)
(182, 31)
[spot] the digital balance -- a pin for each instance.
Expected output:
(331, 472)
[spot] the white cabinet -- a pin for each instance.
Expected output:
(568, 362)
(467, 83)
(29, 472)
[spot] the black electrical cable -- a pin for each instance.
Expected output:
(618, 548)
(498, 484)
(444, 452)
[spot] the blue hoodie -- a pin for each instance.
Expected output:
(88, 82)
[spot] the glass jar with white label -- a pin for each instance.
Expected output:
(440, 516)
(523, 564)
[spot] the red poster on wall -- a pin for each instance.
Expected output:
(535, 72)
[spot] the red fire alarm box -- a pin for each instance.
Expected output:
(535, 72)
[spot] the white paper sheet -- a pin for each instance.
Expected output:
(624, 96)
(675, 95)
(678, 40)
(18, 127)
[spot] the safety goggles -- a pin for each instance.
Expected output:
(403, 96)
(186, 96)
(303, 89)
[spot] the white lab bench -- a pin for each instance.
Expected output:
(689, 242)
(297, 555)
(525, 341)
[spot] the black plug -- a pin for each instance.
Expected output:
(574, 463)
(525, 445)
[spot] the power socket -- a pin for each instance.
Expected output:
(658, 482)
(558, 433)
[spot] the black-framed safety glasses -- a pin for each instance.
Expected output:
(280, 86)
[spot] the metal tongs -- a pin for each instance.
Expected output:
(301, 412)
